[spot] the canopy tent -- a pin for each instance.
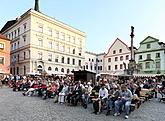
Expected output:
(144, 75)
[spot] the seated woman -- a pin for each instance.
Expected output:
(62, 94)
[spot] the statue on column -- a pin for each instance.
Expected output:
(36, 7)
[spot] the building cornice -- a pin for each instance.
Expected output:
(149, 51)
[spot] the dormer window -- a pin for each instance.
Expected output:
(114, 52)
(148, 46)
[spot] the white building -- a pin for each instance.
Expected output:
(117, 58)
(42, 44)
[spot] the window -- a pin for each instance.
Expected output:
(49, 68)
(62, 48)
(68, 71)
(100, 60)
(68, 38)
(109, 59)
(56, 59)
(15, 46)
(86, 66)
(62, 60)
(73, 51)
(57, 46)
(121, 58)
(15, 33)
(140, 57)
(18, 44)
(40, 28)
(120, 51)
(62, 70)
(49, 57)
(18, 57)
(73, 61)
(50, 45)
(24, 55)
(127, 57)
(80, 41)
(147, 65)
(11, 35)
(24, 27)
(24, 38)
(116, 58)
(18, 30)
(158, 64)
(148, 46)
(89, 59)
(109, 67)
(62, 36)
(40, 42)
(1, 60)
(114, 52)
(92, 60)
(121, 66)
(79, 63)
(148, 56)
(115, 67)
(56, 69)
(157, 55)
(49, 31)
(91, 67)
(101, 67)
(2, 46)
(39, 55)
(68, 60)
(73, 39)
(57, 34)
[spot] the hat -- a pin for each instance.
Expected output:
(86, 86)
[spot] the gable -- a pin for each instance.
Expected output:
(117, 45)
(149, 39)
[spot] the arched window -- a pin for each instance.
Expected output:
(49, 68)
(62, 70)
(56, 69)
(68, 71)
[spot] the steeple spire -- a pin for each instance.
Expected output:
(36, 7)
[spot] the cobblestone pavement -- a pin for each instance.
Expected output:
(15, 107)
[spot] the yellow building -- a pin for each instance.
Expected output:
(42, 44)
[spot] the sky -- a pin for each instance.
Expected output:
(103, 21)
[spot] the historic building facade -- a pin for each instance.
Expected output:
(117, 58)
(42, 44)
(4, 55)
(150, 56)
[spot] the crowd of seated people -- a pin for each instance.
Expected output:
(112, 95)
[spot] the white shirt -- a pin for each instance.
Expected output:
(103, 93)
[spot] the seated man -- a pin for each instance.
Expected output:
(77, 94)
(112, 98)
(103, 96)
(124, 99)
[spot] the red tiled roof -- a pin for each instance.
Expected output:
(3, 37)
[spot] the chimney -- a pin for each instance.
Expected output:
(36, 7)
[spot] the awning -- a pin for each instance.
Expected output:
(144, 75)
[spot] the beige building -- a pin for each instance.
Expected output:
(43, 44)
(117, 58)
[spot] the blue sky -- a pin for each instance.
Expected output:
(102, 20)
